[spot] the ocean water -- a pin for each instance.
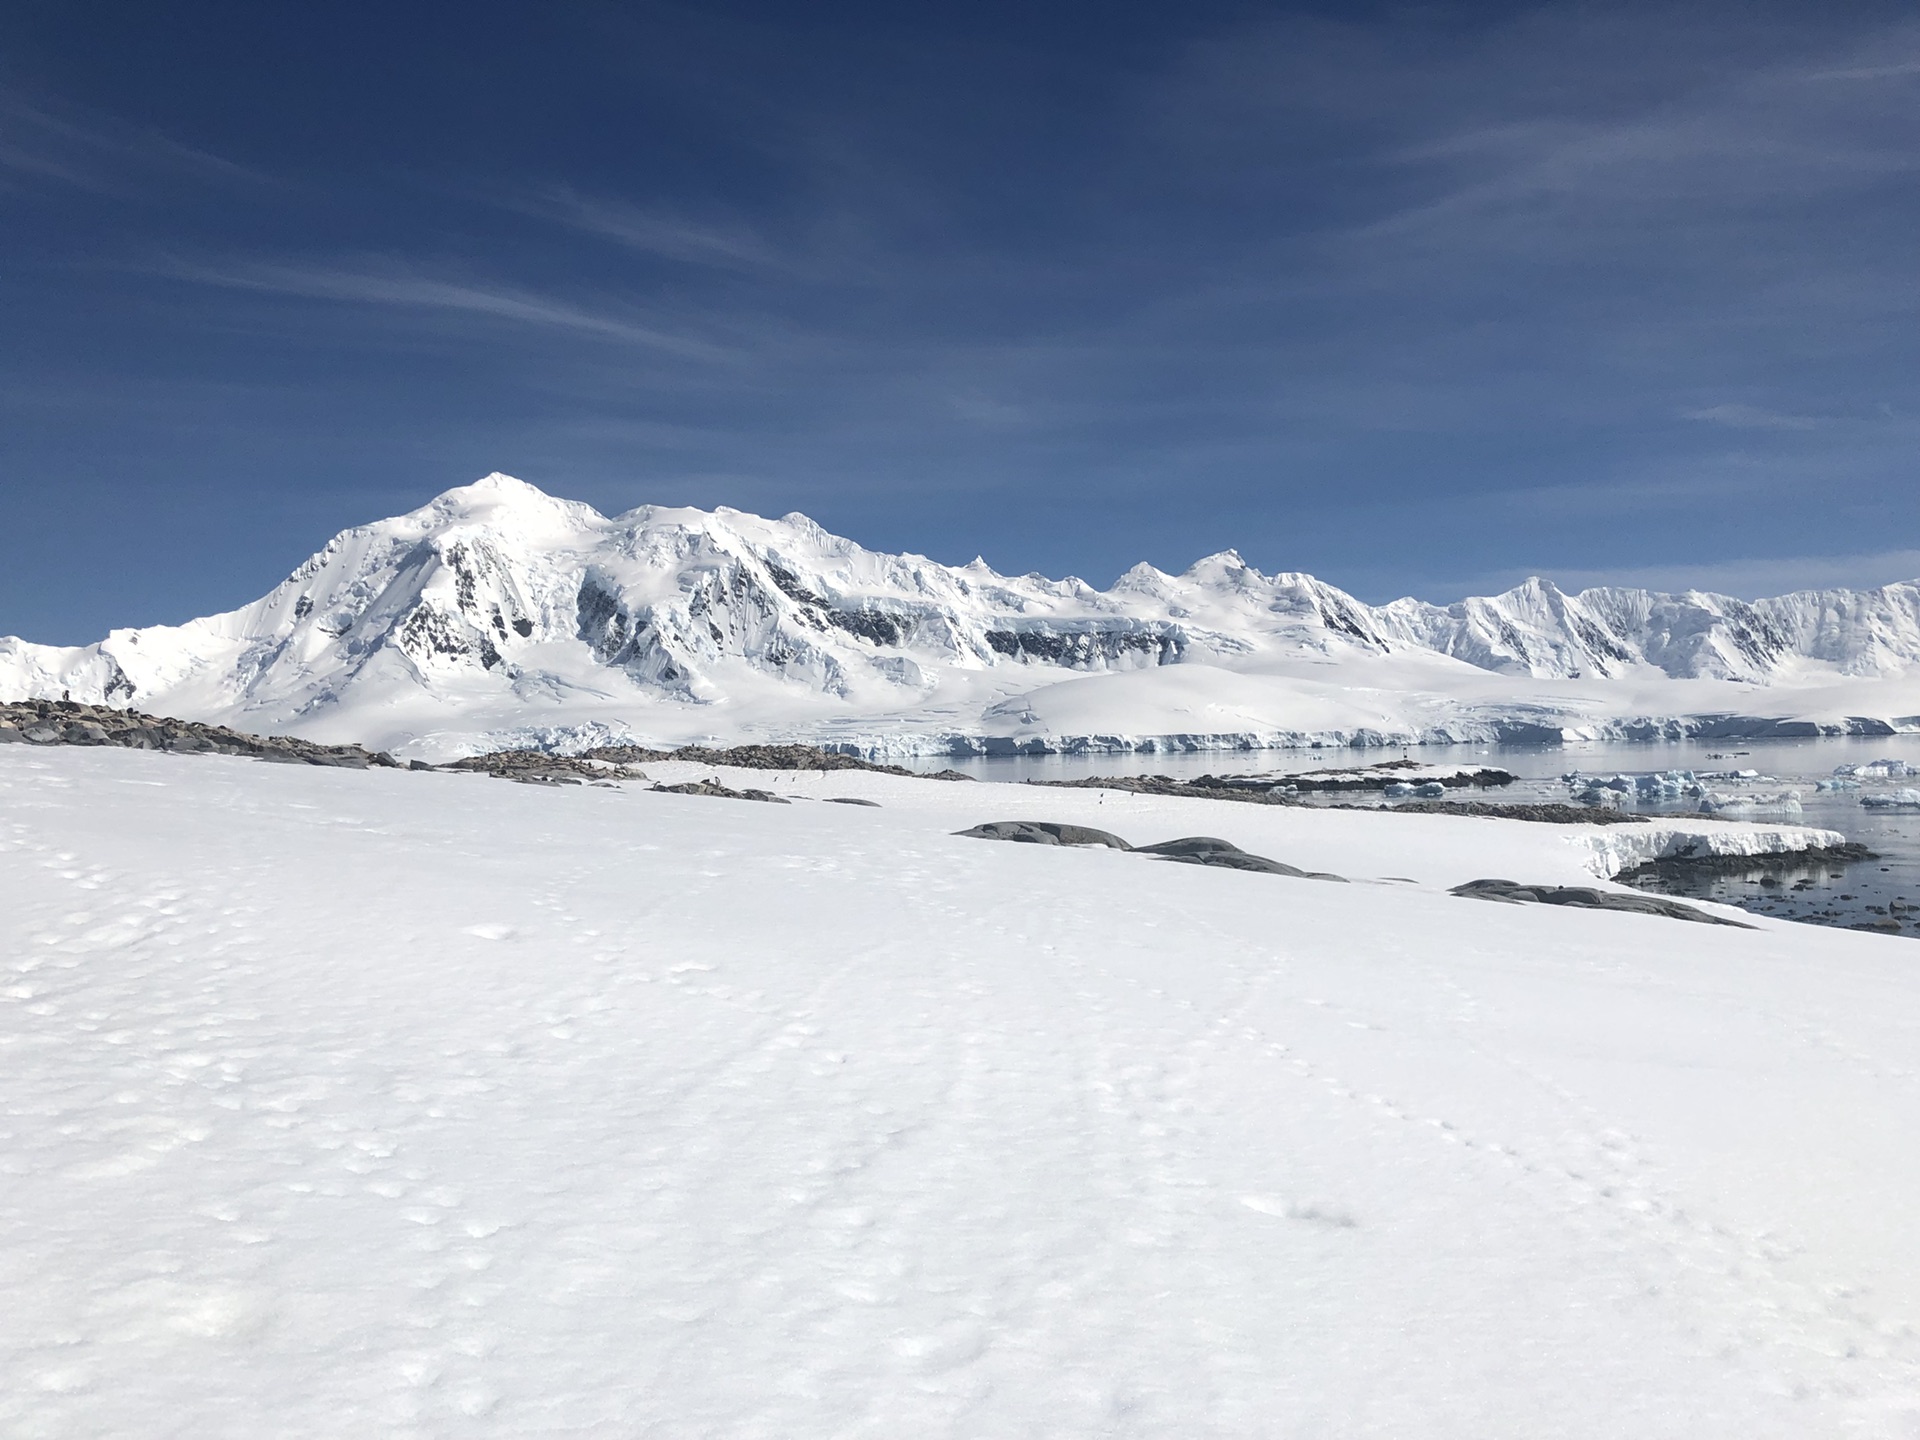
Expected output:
(1860, 893)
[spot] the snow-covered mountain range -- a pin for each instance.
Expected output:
(498, 614)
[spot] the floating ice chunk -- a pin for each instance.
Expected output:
(1908, 799)
(1667, 785)
(1655, 786)
(1785, 802)
(1597, 789)
(1838, 782)
(1398, 789)
(1878, 770)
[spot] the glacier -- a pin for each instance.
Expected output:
(500, 615)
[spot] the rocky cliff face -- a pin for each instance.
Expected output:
(498, 591)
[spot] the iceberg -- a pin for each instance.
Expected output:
(1784, 802)
(1877, 770)
(1667, 785)
(1908, 799)
(1407, 790)
(1654, 787)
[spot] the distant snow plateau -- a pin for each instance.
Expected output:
(498, 615)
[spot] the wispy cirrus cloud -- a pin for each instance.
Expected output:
(99, 154)
(408, 289)
(1870, 72)
(1728, 153)
(1753, 417)
(664, 233)
(1595, 285)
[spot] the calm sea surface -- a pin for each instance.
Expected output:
(1863, 892)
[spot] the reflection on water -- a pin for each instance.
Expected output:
(1882, 893)
(1864, 895)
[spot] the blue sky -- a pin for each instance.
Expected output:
(1421, 299)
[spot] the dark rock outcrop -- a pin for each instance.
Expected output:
(65, 722)
(721, 792)
(1191, 845)
(1550, 812)
(1044, 832)
(1581, 897)
(1283, 789)
(1191, 850)
(1264, 791)
(738, 757)
(537, 767)
(1209, 850)
(1203, 788)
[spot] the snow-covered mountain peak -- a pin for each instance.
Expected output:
(497, 597)
(1142, 577)
(509, 504)
(1222, 564)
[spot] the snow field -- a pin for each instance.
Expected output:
(430, 1105)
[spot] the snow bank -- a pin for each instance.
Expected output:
(381, 1103)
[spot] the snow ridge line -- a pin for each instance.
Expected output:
(497, 604)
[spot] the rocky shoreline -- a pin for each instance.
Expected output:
(1399, 776)
(1546, 812)
(616, 762)
(68, 722)
(1244, 790)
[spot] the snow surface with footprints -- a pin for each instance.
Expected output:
(341, 1103)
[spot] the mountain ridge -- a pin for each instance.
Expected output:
(496, 600)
